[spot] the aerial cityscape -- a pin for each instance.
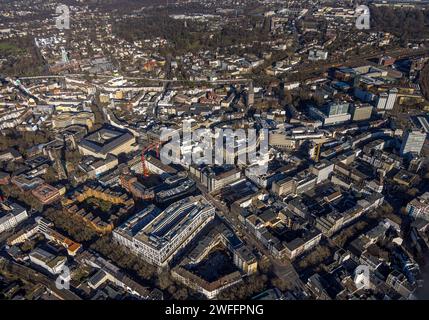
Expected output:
(251, 150)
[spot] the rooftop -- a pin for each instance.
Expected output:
(105, 140)
(158, 229)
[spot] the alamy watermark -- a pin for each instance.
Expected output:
(63, 280)
(63, 20)
(363, 20)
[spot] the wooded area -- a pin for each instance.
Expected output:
(405, 23)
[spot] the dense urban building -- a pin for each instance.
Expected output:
(11, 215)
(158, 236)
(211, 149)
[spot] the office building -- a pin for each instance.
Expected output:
(158, 236)
(322, 170)
(419, 207)
(46, 193)
(47, 260)
(381, 102)
(331, 114)
(334, 109)
(361, 112)
(391, 98)
(11, 214)
(386, 101)
(104, 141)
(412, 142)
(301, 182)
(216, 178)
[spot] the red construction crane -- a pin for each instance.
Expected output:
(154, 146)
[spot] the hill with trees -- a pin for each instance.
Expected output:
(405, 23)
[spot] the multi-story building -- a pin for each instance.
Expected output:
(331, 114)
(315, 55)
(46, 193)
(419, 207)
(335, 109)
(284, 186)
(44, 227)
(304, 181)
(218, 177)
(400, 284)
(209, 289)
(391, 98)
(245, 260)
(300, 183)
(386, 101)
(297, 246)
(381, 101)
(158, 236)
(4, 178)
(25, 183)
(322, 170)
(104, 141)
(95, 167)
(361, 112)
(11, 214)
(280, 140)
(47, 260)
(412, 141)
(108, 271)
(66, 119)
